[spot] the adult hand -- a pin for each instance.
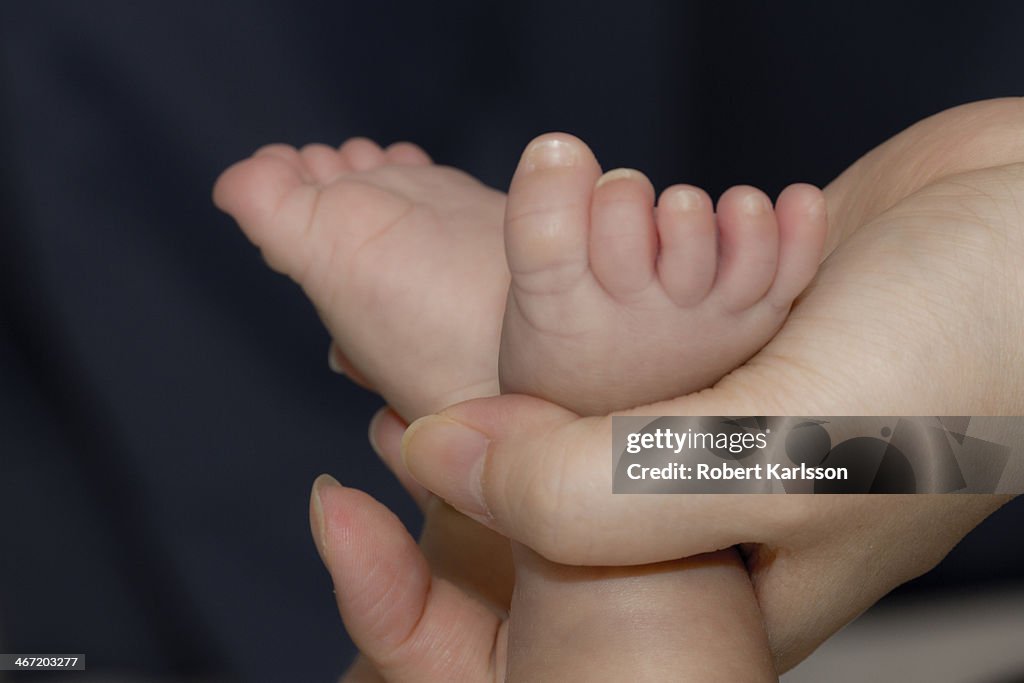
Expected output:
(418, 614)
(964, 138)
(931, 327)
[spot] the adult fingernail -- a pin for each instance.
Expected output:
(316, 512)
(550, 153)
(447, 458)
(371, 431)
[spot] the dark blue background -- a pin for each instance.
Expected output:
(164, 398)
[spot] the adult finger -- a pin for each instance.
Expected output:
(471, 556)
(542, 476)
(362, 671)
(412, 627)
(385, 431)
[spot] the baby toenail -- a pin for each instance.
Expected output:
(617, 174)
(817, 207)
(551, 153)
(756, 203)
(685, 199)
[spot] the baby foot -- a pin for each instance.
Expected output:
(615, 302)
(395, 252)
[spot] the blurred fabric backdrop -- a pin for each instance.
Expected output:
(164, 397)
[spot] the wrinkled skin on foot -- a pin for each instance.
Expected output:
(402, 258)
(965, 138)
(795, 580)
(872, 336)
(616, 302)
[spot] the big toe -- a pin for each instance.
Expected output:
(548, 214)
(269, 198)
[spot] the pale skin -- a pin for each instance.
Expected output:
(577, 242)
(860, 342)
(402, 258)
(839, 197)
(615, 302)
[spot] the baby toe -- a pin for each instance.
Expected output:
(688, 257)
(361, 154)
(803, 225)
(407, 154)
(749, 239)
(324, 163)
(623, 240)
(548, 213)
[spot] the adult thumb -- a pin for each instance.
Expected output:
(542, 476)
